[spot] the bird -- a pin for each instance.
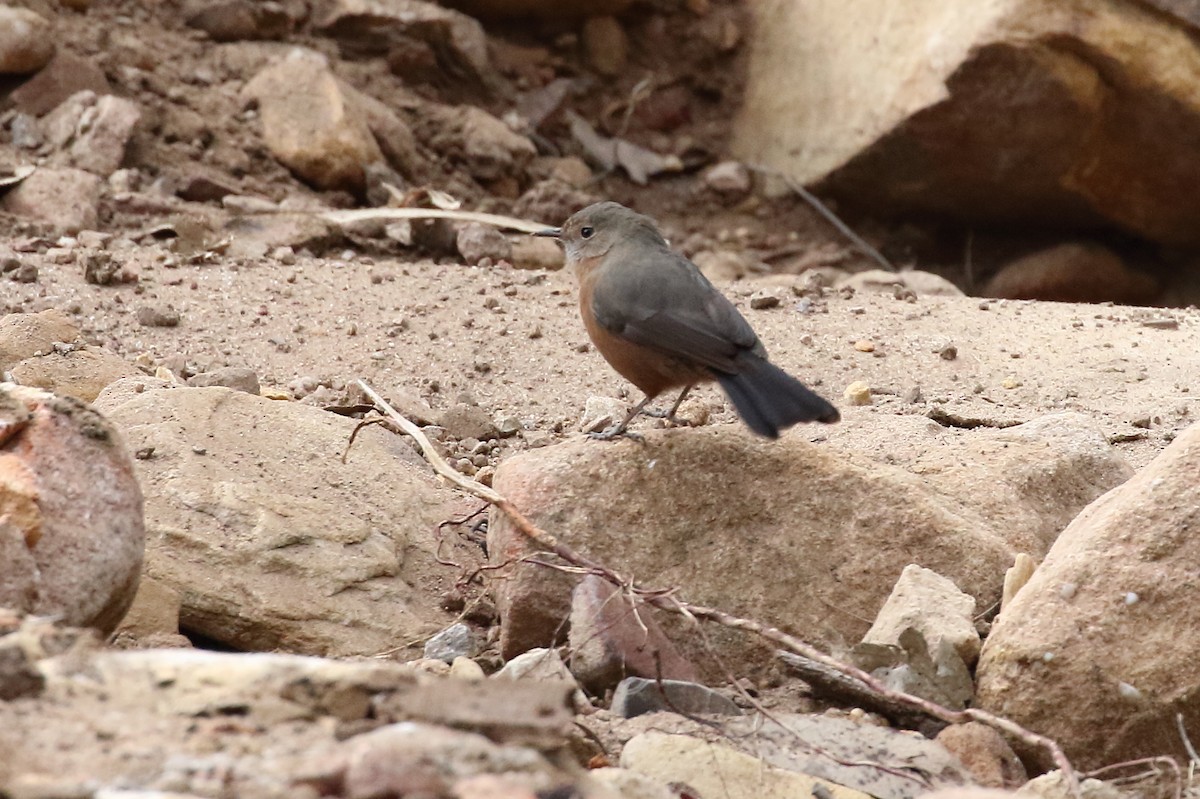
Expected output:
(661, 324)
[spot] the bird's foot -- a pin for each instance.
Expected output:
(615, 431)
(667, 416)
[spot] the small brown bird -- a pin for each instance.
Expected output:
(659, 322)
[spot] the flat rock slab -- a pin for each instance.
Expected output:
(271, 541)
(174, 717)
(715, 771)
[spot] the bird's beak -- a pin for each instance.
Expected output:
(550, 233)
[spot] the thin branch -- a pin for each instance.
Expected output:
(669, 602)
(1187, 742)
(842, 227)
(830, 217)
(1154, 762)
(372, 214)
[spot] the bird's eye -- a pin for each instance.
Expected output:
(586, 232)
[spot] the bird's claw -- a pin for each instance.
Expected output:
(615, 431)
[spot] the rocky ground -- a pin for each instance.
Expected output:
(263, 600)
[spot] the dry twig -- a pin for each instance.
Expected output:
(665, 599)
(496, 220)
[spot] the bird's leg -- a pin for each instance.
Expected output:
(615, 430)
(670, 415)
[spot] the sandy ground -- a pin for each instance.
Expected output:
(512, 342)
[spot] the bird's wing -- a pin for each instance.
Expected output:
(667, 305)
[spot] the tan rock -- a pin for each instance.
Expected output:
(25, 335)
(271, 543)
(235, 20)
(80, 373)
(488, 148)
(1029, 480)
(395, 138)
(92, 131)
(254, 235)
(486, 9)
(923, 284)
(836, 746)
(931, 604)
(1015, 578)
(992, 493)
(65, 199)
(632, 785)
(721, 266)
(311, 125)
(605, 45)
(927, 107)
(1073, 272)
(973, 793)
(1108, 626)
(535, 253)
(154, 611)
(26, 41)
(463, 668)
(377, 24)
(717, 771)
(778, 518)
(71, 530)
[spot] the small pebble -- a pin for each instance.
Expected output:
(1127, 691)
(1011, 382)
(761, 302)
(26, 273)
(148, 316)
(948, 353)
(463, 668)
(857, 393)
(863, 345)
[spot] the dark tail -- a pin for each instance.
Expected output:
(769, 399)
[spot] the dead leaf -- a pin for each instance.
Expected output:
(638, 162)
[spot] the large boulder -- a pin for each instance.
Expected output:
(1109, 625)
(1017, 111)
(270, 539)
(71, 530)
(787, 532)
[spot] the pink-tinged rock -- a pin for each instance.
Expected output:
(71, 527)
(612, 639)
(984, 752)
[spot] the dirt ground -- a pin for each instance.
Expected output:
(510, 340)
